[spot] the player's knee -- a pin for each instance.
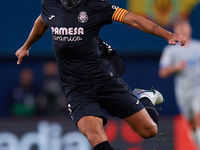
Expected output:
(150, 131)
(95, 137)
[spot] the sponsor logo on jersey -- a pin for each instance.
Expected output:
(67, 31)
(82, 17)
(67, 34)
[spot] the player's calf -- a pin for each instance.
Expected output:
(149, 98)
(142, 124)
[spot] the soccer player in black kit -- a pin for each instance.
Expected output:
(87, 76)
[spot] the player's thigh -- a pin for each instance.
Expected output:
(90, 124)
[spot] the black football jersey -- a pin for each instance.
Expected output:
(75, 36)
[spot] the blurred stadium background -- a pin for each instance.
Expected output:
(140, 53)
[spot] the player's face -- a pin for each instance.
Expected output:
(183, 28)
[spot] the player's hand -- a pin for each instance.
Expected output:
(180, 65)
(174, 37)
(21, 53)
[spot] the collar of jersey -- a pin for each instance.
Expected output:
(69, 7)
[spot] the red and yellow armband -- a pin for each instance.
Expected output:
(119, 15)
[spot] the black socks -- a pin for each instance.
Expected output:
(103, 146)
(150, 108)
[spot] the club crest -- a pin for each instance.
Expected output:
(83, 17)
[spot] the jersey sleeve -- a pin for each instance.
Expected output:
(106, 10)
(111, 12)
(119, 15)
(44, 12)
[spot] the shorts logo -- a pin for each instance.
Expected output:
(137, 102)
(83, 17)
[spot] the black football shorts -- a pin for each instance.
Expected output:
(113, 96)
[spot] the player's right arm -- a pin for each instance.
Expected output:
(169, 64)
(145, 25)
(165, 72)
(37, 32)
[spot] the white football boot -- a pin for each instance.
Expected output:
(155, 96)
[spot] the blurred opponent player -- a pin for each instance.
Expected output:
(184, 63)
(87, 79)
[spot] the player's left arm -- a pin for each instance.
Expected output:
(143, 24)
(36, 33)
